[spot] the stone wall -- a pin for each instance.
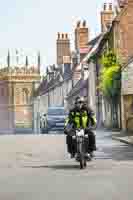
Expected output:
(124, 32)
(127, 97)
(127, 80)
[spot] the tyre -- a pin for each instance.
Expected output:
(82, 159)
(85, 163)
(81, 163)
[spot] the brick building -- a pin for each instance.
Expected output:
(127, 95)
(123, 34)
(118, 37)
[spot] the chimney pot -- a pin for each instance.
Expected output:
(78, 24)
(84, 23)
(110, 6)
(58, 35)
(105, 6)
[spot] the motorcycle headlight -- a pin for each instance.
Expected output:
(80, 133)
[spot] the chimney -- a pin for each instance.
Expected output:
(110, 7)
(107, 16)
(78, 24)
(39, 62)
(122, 3)
(130, 2)
(84, 23)
(105, 6)
(66, 36)
(62, 47)
(58, 36)
(8, 59)
(81, 36)
(26, 61)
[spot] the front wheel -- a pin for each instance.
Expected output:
(83, 162)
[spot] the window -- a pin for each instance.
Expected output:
(25, 96)
(17, 96)
(131, 108)
(2, 92)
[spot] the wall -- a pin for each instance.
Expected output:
(43, 103)
(37, 114)
(127, 97)
(127, 80)
(92, 86)
(6, 112)
(23, 106)
(124, 32)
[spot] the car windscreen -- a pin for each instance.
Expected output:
(56, 111)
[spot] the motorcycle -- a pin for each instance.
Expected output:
(80, 138)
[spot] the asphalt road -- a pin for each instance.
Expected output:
(37, 167)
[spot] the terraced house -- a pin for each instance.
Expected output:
(117, 29)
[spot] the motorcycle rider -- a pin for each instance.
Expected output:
(89, 119)
(81, 116)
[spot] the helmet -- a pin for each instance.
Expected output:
(79, 100)
(82, 99)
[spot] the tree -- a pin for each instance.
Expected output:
(110, 83)
(44, 77)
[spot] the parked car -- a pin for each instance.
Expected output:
(55, 118)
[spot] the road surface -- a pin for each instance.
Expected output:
(37, 167)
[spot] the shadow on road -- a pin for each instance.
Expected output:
(56, 167)
(120, 153)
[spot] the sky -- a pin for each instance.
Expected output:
(31, 26)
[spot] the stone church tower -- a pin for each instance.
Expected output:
(17, 86)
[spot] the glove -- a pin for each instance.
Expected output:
(65, 131)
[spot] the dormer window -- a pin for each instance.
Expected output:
(85, 68)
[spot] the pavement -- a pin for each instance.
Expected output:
(122, 136)
(37, 167)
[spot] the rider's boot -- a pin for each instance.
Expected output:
(77, 157)
(87, 156)
(72, 155)
(92, 154)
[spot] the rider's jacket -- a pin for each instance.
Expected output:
(81, 118)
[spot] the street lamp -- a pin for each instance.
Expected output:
(38, 114)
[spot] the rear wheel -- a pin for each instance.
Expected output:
(85, 163)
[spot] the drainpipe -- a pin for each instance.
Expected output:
(97, 93)
(38, 114)
(120, 98)
(48, 99)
